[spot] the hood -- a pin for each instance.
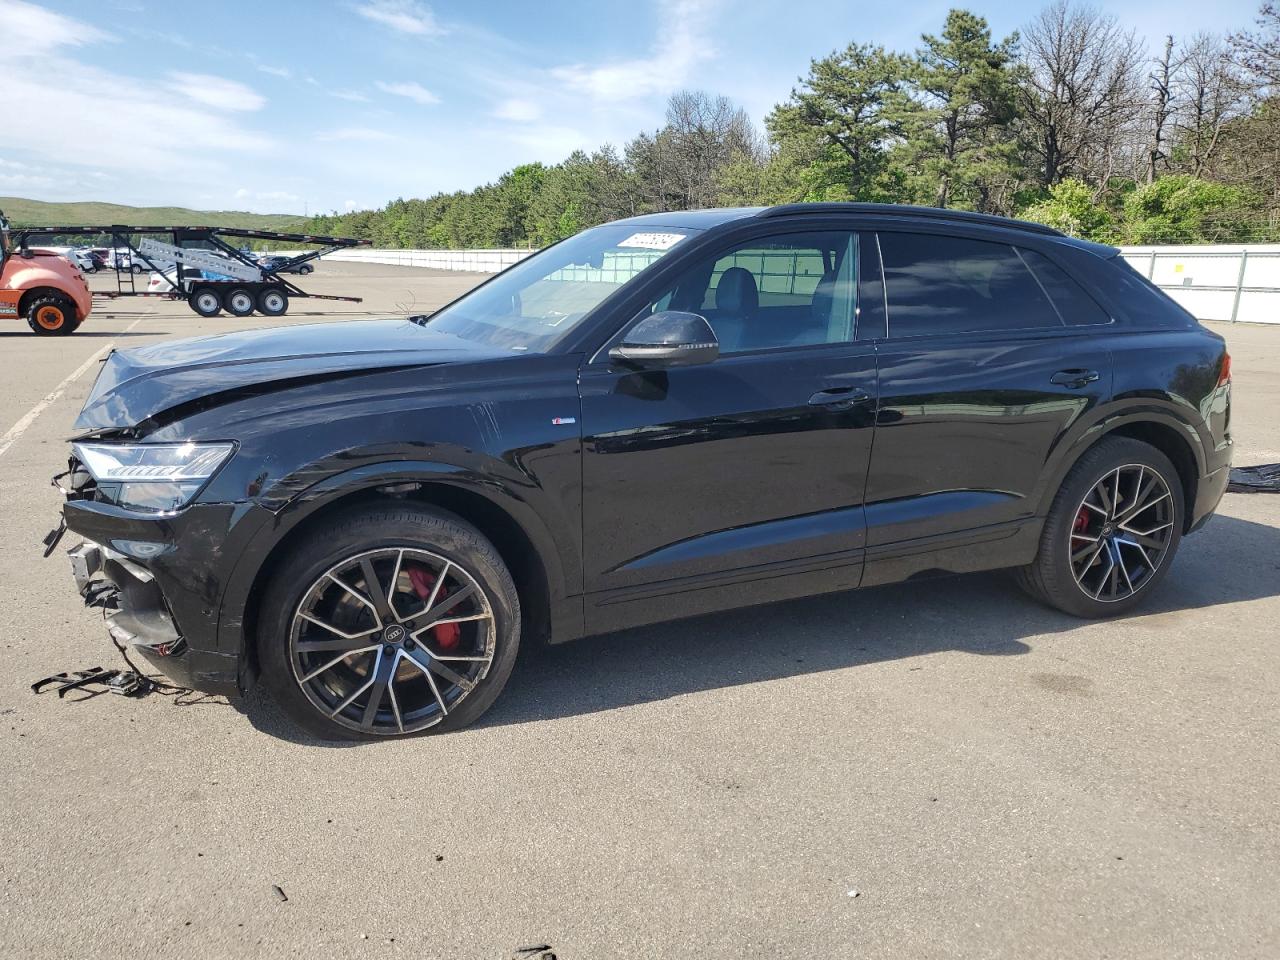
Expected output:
(139, 384)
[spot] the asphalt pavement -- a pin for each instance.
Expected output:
(936, 769)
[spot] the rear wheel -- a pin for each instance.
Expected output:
(1111, 533)
(273, 302)
(238, 302)
(206, 302)
(52, 316)
(390, 621)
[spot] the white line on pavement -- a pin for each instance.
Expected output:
(19, 428)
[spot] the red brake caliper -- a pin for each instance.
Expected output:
(447, 635)
(1082, 521)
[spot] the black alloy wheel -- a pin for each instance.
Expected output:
(393, 621)
(389, 641)
(1111, 532)
(1121, 533)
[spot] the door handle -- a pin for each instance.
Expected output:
(839, 397)
(1075, 378)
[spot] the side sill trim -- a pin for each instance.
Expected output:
(663, 588)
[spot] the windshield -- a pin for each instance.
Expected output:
(540, 300)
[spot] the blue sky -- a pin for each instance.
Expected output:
(285, 106)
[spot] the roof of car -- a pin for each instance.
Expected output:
(713, 217)
(717, 216)
(692, 219)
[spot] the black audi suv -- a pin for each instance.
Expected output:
(659, 417)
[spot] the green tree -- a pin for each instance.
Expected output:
(1184, 209)
(831, 134)
(1072, 208)
(958, 132)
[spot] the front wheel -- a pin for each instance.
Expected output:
(1111, 533)
(52, 316)
(390, 621)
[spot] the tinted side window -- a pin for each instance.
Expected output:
(776, 292)
(1142, 301)
(938, 285)
(1075, 305)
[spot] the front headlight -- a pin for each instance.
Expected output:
(153, 477)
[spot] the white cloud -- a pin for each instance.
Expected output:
(683, 42)
(24, 181)
(284, 72)
(519, 110)
(349, 205)
(281, 196)
(31, 30)
(217, 92)
(146, 135)
(365, 134)
(355, 96)
(414, 91)
(404, 16)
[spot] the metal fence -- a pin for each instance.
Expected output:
(1227, 282)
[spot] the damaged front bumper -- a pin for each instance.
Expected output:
(158, 580)
(130, 599)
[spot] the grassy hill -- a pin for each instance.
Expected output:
(37, 213)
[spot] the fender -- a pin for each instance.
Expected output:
(1109, 418)
(271, 525)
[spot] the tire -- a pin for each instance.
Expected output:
(305, 269)
(205, 301)
(238, 302)
(273, 302)
(1093, 538)
(406, 547)
(135, 269)
(52, 315)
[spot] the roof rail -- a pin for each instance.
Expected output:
(905, 210)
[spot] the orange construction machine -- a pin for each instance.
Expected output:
(45, 289)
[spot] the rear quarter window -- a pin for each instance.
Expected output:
(1132, 296)
(1074, 304)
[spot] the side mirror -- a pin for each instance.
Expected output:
(672, 338)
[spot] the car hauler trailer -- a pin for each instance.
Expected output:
(200, 266)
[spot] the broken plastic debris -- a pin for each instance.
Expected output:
(1261, 478)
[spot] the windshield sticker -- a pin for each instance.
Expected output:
(653, 241)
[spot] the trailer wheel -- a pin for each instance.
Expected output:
(52, 316)
(238, 302)
(205, 302)
(273, 302)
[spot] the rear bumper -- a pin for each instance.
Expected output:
(1209, 493)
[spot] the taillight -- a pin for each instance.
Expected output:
(1225, 377)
